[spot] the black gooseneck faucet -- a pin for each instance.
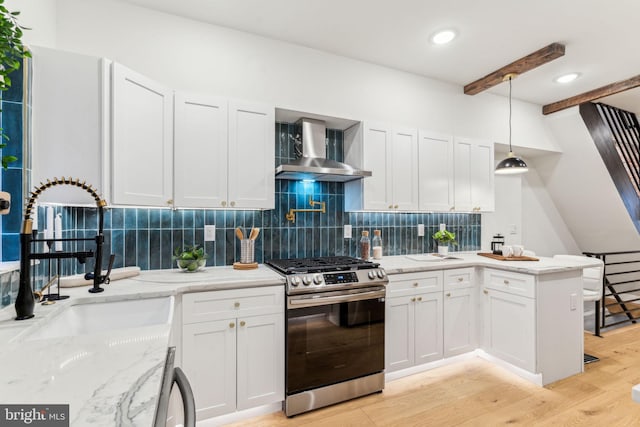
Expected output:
(25, 301)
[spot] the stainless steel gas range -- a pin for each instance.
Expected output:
(334, 330)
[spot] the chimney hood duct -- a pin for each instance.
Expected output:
(314, 164)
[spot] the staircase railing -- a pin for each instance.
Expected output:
(616, 134)
(620, 302)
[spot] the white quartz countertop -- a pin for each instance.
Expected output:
(110, 378)
(113, 378)
(424, 262)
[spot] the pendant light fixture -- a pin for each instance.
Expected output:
(512, 164)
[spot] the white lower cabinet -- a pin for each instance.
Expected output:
(510, 317)
(233, 348)
(459, 312)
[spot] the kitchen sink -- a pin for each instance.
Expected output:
(83, 319)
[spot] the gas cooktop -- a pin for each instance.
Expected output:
(322, 274)
(319, 264)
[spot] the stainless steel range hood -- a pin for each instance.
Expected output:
(314, 164)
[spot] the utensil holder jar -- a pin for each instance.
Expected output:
(247, 248)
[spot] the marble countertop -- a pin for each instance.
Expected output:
(424, 262)
(113, 377)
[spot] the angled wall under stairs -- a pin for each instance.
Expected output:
(615, 134)
(583, 190)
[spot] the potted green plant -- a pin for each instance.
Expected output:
(190, 258)
(444, 237)
(12, 52)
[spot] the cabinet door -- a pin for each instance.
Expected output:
(462, 174)
(459, 322)
(142, 139)
(67, 122)
(428, 327)
(251, 182)
(377, 188)
(482, 177)
(435, 160)
(509, 328)
(403, 172)
(399, 333)
(200, 151)
(209, 361)
(260, 360)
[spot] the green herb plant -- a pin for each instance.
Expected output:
(444, 237)
(12, 52)
(190, 258)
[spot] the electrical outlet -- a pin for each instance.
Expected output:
(513, 229)
(420, 230)
(209, 233)
(347, 231)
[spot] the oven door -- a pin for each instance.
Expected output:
(334, 337)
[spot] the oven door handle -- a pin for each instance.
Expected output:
(301, 302)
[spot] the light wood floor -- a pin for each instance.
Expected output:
(476, 393)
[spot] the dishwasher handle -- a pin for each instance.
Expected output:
(188, 401)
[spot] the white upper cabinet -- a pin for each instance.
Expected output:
(142, 140)
(391, 156)
(435, 166)
(200, 151)
(251, 155)
(474, 175)
(67, 118)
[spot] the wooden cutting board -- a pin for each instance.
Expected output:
(241, 266)
(116, 274)
(510, 258)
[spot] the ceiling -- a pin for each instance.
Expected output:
(600, 36)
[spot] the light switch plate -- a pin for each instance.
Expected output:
(420, 230)
(209, 233)
(347, 231)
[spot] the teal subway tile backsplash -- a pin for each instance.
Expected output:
(147, 237)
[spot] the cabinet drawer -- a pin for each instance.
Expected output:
(513, 283)
(216, 305)
(412, 283)
(459, 278)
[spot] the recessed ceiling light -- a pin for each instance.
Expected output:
(443, 37)
(566, 78)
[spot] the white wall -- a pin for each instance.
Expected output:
(508, 213)
(582, 189)
(40, 17)
(194, 56)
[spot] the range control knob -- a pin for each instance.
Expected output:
(317, 279)
(295, 281)
(372, 274)
(306, 280)
(381, 274)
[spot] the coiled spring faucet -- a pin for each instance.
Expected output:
(25, 301)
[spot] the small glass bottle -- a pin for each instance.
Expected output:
(365, 246)
(376, 245)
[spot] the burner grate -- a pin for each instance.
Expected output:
(319, 264)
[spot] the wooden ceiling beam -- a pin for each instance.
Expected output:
(522, 65)
(592, 95)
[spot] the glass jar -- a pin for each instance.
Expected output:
(376, 245)
(365, 246)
